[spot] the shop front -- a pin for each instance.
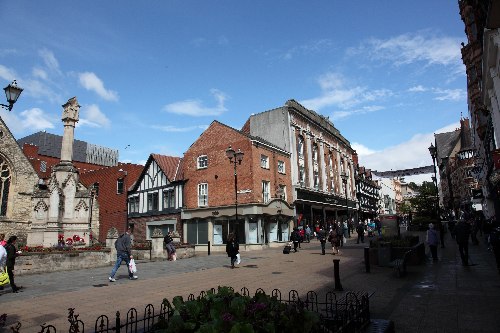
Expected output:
(258, 226)
(320, 210)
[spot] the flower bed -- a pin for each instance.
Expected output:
(229, 311)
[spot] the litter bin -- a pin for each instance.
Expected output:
(384, 253)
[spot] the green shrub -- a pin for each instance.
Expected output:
(227, 311)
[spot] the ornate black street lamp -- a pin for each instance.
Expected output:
(345, 177)
(235, 157)
(433, 152)
(12, 92)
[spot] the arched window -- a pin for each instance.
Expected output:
(5, 178)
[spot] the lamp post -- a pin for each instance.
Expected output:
(12, 92)
(235, 157)
(433, 152)
(345, 177)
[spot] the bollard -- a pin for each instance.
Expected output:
(367, 259)
(208, 247)
(338, 286)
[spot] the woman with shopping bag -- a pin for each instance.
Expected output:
(232, 248)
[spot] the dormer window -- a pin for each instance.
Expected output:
(119, 186)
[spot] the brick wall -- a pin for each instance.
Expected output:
(220, 172)
(112, 206)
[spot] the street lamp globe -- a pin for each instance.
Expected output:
(12, 93)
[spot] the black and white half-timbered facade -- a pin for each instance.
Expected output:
(367, 191)
(156, 199)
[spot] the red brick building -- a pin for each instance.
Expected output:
(110, 188)
(264, 196)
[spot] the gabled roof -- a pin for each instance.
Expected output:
(445, 142)
(170, 165)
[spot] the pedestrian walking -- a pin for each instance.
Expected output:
(3, 242)
(360, 229)
(168, 243)
(432, 241)
(12, 253)
(345, 229)
(378, 226)
(333, 238)
(338, 228)
(442, 232)
(462, 234)
(232, 248)
(302, 235)
(123, 246)
(322, 239)
(308, 234)
(295, 238)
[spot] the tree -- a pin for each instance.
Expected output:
(424, 204)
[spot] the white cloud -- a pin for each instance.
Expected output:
(92, 116)
(361, 149)
(92, 82)
(450, 94)
(336, 115)
(350, 100)
(196, 108)
(413, 153)
(410, 48)
(50, 60)
(34, 119)
(308, 48)
(7, 73)
(174, 129)
(40, 73)
(418, 88)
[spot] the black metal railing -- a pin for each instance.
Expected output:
(347, 312)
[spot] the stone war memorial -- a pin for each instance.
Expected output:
(63, 206)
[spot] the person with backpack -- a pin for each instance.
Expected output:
(123, 247)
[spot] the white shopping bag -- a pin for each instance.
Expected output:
(238, 259)
(132, 267)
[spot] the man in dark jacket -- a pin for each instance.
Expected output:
(12, 253)
(322, 239)
(462, 234)
(295, 238)
(123, 253)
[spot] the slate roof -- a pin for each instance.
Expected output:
(445, 142)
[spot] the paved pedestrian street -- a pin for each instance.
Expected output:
(441, 296)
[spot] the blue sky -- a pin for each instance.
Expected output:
(151, 76)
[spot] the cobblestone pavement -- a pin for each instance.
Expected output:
(441, 296)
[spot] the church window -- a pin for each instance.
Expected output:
(5, 178)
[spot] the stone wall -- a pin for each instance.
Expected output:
(22, 182)
(33, 263)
